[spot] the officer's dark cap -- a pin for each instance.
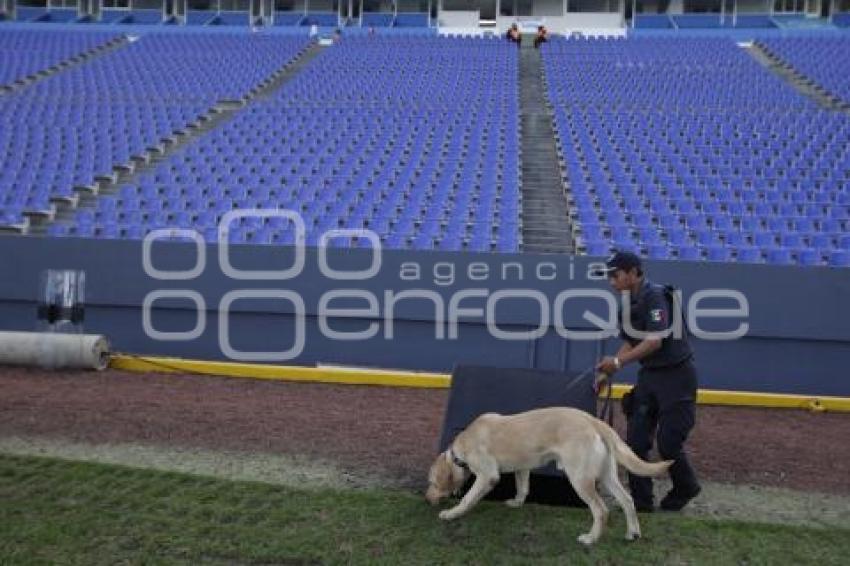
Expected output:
(621, 261)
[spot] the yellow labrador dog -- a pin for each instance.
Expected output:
(585, 448)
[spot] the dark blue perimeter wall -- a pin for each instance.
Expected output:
(797, 341)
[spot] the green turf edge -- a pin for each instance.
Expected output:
(55, 511)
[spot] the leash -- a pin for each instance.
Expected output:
(575, 381)
(606, 413)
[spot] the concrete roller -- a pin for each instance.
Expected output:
(37, 349)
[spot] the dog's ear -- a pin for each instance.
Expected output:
(442, 471)
(458, 475)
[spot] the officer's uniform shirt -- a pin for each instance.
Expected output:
(650, 311)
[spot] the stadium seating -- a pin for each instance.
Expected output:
(676, 148)
(415, 139)
(68, 130)
(692, 145)
(25, 53)
(824, 60)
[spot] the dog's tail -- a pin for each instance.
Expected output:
(624, 455)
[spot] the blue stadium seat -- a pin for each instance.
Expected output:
(598, 249)
(839, 258)
(748, 254)
(364, 164)
(676, 147)
(718, 253)
(693, 129)
(779, 256)
(810, 257)
(688, 253)
(821, 59)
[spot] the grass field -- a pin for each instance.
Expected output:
(55, 511)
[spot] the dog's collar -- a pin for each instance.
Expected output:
(457, 461)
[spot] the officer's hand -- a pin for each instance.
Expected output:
(608, 365)
(600, 382)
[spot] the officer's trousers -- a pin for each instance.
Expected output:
(663, 399)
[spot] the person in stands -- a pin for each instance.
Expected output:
(514, 35)
(541, 37)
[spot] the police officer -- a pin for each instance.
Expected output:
(664, 397)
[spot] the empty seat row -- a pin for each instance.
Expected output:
(822, 60)
(416, 139)
(72, 128)
(687, 148)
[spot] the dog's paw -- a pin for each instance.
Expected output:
(632, 536)
(586, 539)
(514, 503)
(447, 515)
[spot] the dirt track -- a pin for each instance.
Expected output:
(390, 432)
